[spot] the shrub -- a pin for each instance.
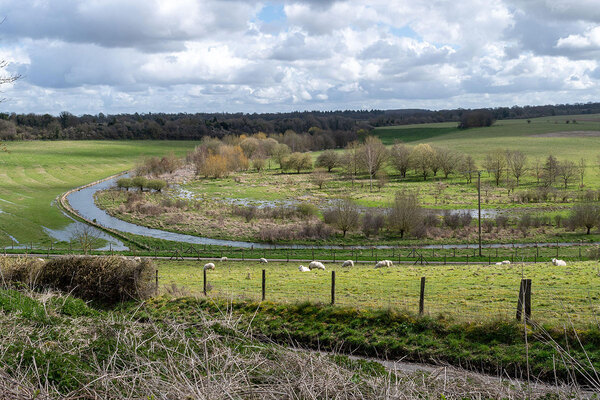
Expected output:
(372, 223)
(124, 183)
(501, 221)
(156, 184)
(139, 182)
(103, 279)
(455, 220)
(307, 209)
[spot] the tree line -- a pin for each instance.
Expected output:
(335, 128)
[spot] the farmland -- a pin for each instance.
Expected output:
(472, 292)
(33, 173)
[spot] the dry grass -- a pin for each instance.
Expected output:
(211, 359)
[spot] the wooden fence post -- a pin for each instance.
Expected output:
(156, 280)
(524, 301)
(204, 282)
(264, 284)
(332, 287)
(422, 297)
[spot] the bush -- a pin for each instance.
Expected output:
(455, 220)
(501, 221)
(372, 223)
(139, 182)
(307, 209)
(103, 279)
(124, 183)
(156, 184)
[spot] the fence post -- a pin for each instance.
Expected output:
(243, 255)
(422, 297)
(332, 287)
(580, 243)
(527, 300)
(489, 259)
(313, 253)
(557, 249)
(204, 282)
(520, 299)
(524, 301)
(333, 255)
(156, 276)
(264, 284)
(467, 258)
(444, 258)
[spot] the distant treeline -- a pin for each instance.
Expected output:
(340, 126)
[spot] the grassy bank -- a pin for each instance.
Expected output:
(32, 174)
(55, 346)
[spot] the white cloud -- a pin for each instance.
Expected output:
(217, 55)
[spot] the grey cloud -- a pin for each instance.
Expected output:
(296, 48)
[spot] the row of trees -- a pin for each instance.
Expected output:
(141, 183)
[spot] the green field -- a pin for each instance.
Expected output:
(33, 174)
(473, 292)
(562, 139)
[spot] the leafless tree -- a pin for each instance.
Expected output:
(581, 166)
(373, 155)
(319, 177)
(537, 169)
(517, 163)
(468, 168)
(328, 159)
(567, 170)
(400, 158)
(350, 160)
(585, 215)
(421, 157)
(405, 213)
(495, 163)
(550, 170)
(447, 160)
(345, 215)
(86, 237)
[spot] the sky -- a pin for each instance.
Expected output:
(125, 56)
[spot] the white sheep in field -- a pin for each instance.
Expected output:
(263, 260)
(348, 263)
(209, 266)
(384, 263)
(40, 259)
(302, 268)
(316, 265)
(137, 259)
(506, 262)
(559, 263)
(223, 259)
(498, 263)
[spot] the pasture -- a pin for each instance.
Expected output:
(472, 292)
(33, 174)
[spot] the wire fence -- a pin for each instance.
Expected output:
(393, 288)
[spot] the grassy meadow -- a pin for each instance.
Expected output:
(472, 292)
(33, 174)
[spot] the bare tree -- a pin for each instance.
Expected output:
(468, 168)
(585, 215)
(581, 170)
(319, 177)
(86, 237)
(537, 169)
(345, 215)
(517, 163)
(495, 163)
(405, 213)
(550, 170)
(447, 160)
(350, 160)
(567, 170)
(400, 158)
(421, 157)
(373, 156)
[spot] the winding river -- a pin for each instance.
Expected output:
(82, 201)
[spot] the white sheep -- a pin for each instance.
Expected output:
(209, 266)
(302, 268)
(316, 265)
(40, 259)
(506, 262)
(559, 263)
(223, 259)
(263, 260)
(348, 263)
(384, 263)
(498, 263)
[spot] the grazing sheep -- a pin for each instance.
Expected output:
(498, 263)
(302, 268)
(559, 263)
(384, 263)
(506, 262)
(263, 260)
(209, 266)
(224, 259)
(348, 263)
(316, 265)
(40, 259)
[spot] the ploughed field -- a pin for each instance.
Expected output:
(474, 292)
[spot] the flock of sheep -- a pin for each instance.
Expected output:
(349, 263)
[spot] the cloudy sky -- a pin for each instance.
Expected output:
(117, 56)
